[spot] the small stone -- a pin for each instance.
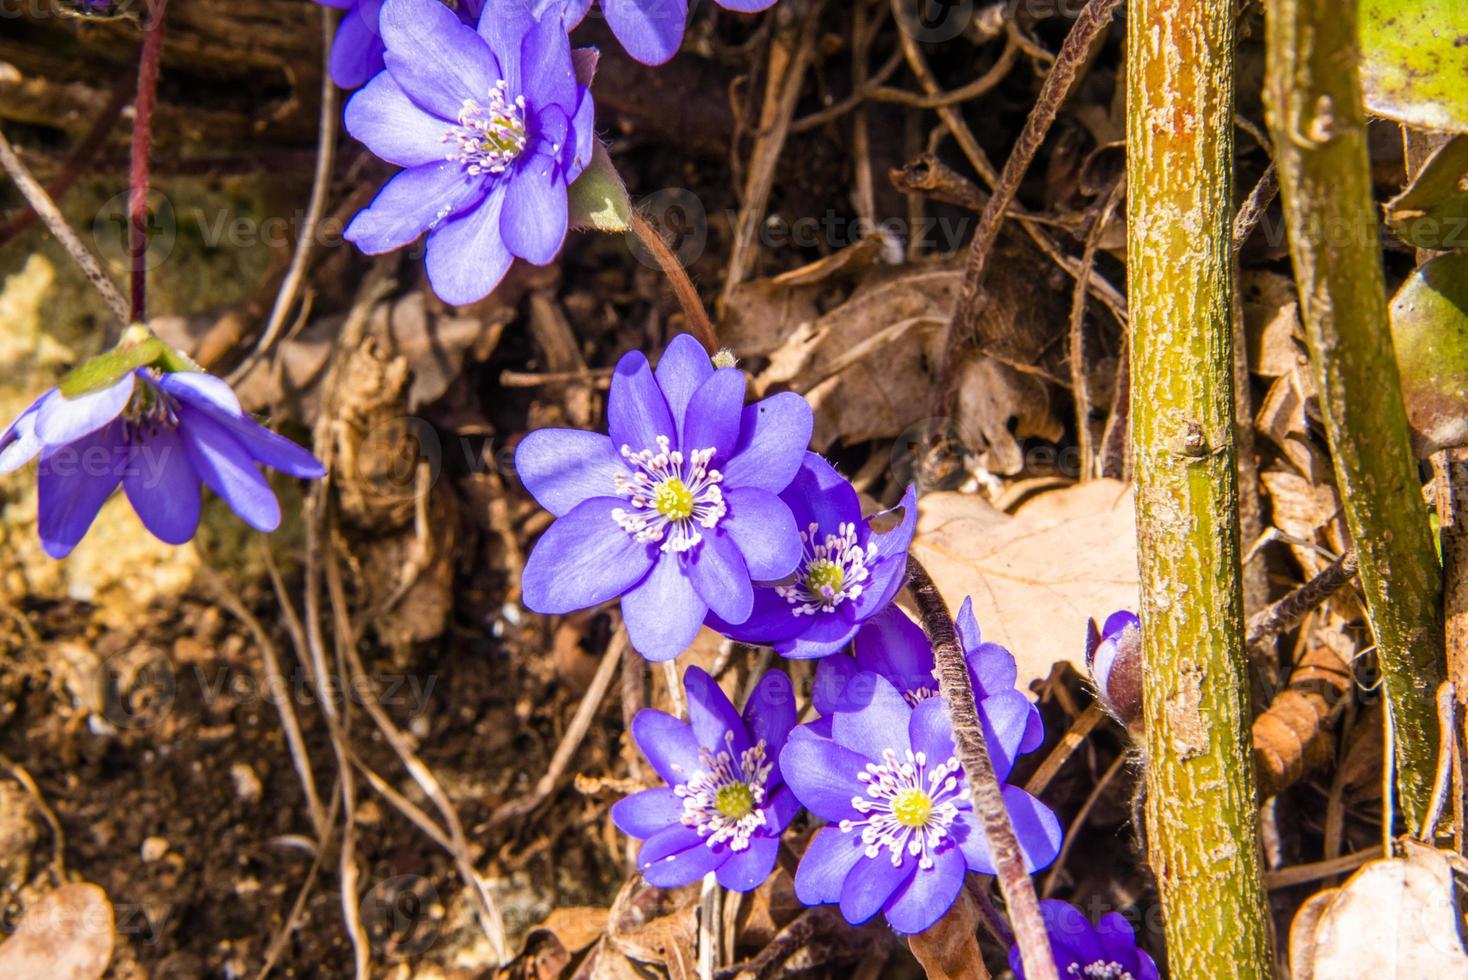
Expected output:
(153, 849)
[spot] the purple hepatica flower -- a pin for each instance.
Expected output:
(847, 572)
(491, 125)
(892, 645)
(650, 30)
(725, 805)
(356, 51)
(1106, 951)
(901, 833)
(1114, 658)
(677, 512)
(158, 436)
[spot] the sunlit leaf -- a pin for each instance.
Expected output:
(1430, 330)
(1414, 61)
(1433, 212)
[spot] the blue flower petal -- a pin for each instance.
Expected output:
(644, 814)
(578, 150)
(162, 487)
(1036, 826)
(773, 435)
(678, 857)
(878, 724)
(228, 469)
(822, 775)
(682, 369)
(746, 870)
(61, 420)
(637, 413)
(931, 731)
(663, 613)
(504, 30)
(871, 883)
(711, 716)
(215, 398)
(828, 859)
(668, 744)
(714, 412)
(721, 578)
(19, 444)
(438, 60)
(819, 495)
(534, 218)
(583, 559)
(414, 201)
(824, 634)
(746, 6)
(545, 64)
(894, 646)
(770, 712)
(73, 483)
(356, 50)
(928, 894)
(563, 467)
(393, 126)
(764, 530)
(1005, 717)
(467, 257)
(651, 32)
(780, 809)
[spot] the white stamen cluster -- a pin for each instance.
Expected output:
(1100, 970)
(909, 808)
(831, 571)
(722, 802)
(488, 137)
(672, 496)
(919, 695)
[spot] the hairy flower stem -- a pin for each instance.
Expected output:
(693, 309)
(1200, 806)
(142, 142)
(55, 222)
(1313, 95)
(983, 784)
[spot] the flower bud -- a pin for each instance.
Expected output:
(1114, 658)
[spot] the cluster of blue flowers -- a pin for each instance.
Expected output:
(697, 510)
(488, 110)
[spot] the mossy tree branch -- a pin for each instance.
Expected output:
(1200, 780)
(1313, 94)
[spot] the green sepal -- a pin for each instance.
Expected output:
(598, 198)
(139, 347)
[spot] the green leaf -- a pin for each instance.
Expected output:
(105, 369)
(1414, 61)
(1430, 330)
(1433, 212)
(599, 198)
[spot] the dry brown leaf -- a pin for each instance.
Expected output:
(65, 936)
(1394, 918)
(1064, 557)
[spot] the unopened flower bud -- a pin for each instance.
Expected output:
(1114, 658)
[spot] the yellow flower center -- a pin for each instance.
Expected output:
(734, 800)
(912, 808)
(673, 499)
(822, 575)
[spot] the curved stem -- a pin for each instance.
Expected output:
(693, 310)
(984, 787)
(55, 222)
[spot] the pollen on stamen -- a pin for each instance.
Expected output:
(833, 570)
(671, 496)
(723, 800)
(491, 136)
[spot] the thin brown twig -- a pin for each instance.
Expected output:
(1065, 748)
(315, 206)
(58, 839)
(984, 788)
(1093, 20)
(55, 222)
(1080, 388)
(571, 740)
(1286, 613)
(142, 144)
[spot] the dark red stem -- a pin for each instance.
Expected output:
(137, 204)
